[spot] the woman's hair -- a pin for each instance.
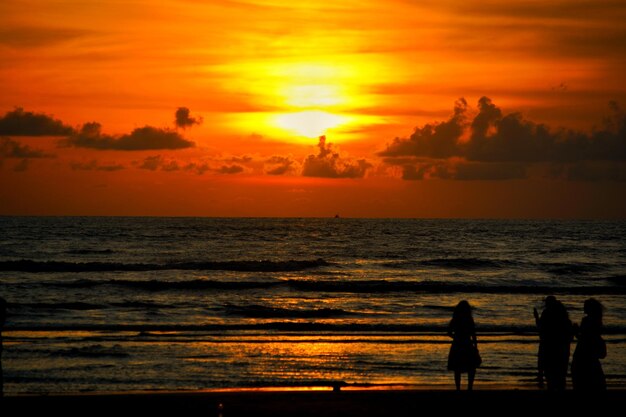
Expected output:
(462, 311)
(593, 308)
(550, 301)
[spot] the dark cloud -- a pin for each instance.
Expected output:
(489, 171)
(170, 166)
(242, 159)
(22, 123)
(184, 120)
(95, 166)
(13, 149)
(143, 138)
(197, 167)
(422, 171)
(230, 169)
(279, 165)
(158, 162)
(153, 163)
(488, 114)
(329, 164)
(31, 37)
(437, 140)
(462, 170)
(507, 144)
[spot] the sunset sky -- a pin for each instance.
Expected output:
(215, 108)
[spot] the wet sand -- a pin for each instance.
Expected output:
(316, 403)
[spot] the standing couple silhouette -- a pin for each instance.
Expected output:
(556, 333)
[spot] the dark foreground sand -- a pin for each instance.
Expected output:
(365, 403)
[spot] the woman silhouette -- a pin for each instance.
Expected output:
(555, 336)
(463, 356)
(587, 371)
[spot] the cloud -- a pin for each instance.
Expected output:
(143, 138)
(462, 170)
(329, 164)
(197, 167)
(505, 144)
(156, 162)
(22, 123)
(279, 165)
(170, 166)
(10, 149)
(151, 163)
(230, 169)
(184, 120)
(242, 159)
(32, 36)
(13, 149)
(436, 140)
(95, 166)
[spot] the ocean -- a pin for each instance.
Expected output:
(148, 303)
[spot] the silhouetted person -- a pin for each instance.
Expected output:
(3, 317)
(587, 371)
(463, 356)
(555, 336)
(547, 303)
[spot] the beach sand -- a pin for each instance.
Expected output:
(316, 403)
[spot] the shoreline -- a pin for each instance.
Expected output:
(273, 389)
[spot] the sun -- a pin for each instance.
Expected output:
(309, 123)
(313, 94)
(304, 99)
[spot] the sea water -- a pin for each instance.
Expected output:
(134, 303)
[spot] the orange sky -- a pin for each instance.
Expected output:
(430, 108)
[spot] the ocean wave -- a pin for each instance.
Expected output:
(143, 305)
(292, 326)
(433, 287)
(59, 306)
(89, 251)
(438, 307)
(26, 265)
(466, 263)
(82, 306)
(93, 351)
(617, 279)
(156, 285)
(341, 286)
(258, 311)
(575, 268)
